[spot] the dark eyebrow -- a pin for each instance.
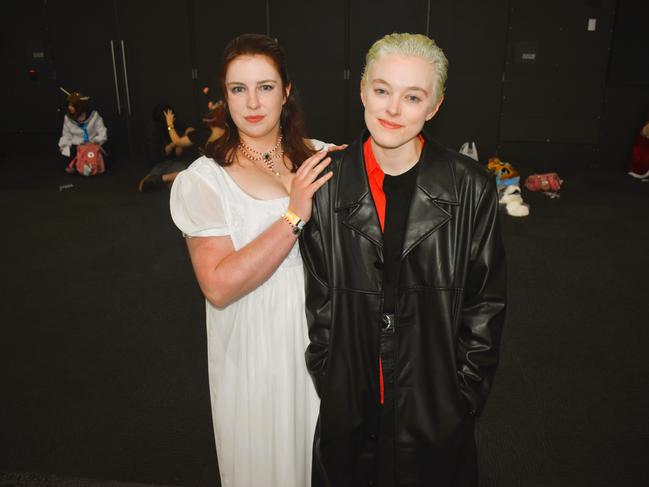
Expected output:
(411, 88)
(258, 82)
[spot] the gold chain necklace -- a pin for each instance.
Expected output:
(267, 157)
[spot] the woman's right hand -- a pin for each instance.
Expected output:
(306, 182)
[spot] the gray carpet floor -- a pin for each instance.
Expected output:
(102, 354)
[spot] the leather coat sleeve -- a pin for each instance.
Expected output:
(318, 299)
(483, 307)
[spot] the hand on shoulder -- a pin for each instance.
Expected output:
(318, 145)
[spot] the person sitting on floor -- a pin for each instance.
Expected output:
(639, 164)
(166, 159)
(170, 152)
(80, 126)
(209, 131)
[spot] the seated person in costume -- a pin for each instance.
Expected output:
(81, 125)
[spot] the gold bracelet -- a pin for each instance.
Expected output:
(295, 221)
(170, 127)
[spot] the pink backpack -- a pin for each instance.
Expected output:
(89, 160)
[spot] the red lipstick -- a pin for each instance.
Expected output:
(254, 118)
(389, 125)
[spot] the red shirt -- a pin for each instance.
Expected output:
(375, 177)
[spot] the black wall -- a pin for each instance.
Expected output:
(527, 80)
(626, 98)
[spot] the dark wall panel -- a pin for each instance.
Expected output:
(630, 47)
(472, 34)
(315, 48)
(158, 62)
(216, 23)
(626, 104)
(552, 111)
(369, 20)
(523, 76)
(548, 157)
(31, 120)
(555, 70)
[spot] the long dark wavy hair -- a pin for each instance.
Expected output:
(223, 150)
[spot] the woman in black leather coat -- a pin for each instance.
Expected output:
(405, 295)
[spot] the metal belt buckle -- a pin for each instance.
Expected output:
(387, 325)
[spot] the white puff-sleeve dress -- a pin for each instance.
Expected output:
(264, 405)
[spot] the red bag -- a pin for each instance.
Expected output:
(543, 182)
(89, 160)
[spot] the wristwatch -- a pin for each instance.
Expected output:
(295, 221)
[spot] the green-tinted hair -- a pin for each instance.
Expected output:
(417, 45)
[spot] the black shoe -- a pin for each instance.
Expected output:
(150, 182)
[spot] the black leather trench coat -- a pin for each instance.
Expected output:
(449, 311)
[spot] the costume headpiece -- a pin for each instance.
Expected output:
(76, 99)
(74, 95)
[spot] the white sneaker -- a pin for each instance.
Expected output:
(638, 176)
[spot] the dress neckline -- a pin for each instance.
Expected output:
(248, 195)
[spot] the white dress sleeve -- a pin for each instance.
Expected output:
(197, 207)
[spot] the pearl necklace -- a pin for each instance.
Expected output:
(267, 157)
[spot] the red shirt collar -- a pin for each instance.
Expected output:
(372, 167)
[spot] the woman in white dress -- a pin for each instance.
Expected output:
(242, 210)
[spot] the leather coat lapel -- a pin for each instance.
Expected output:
(435, 189)
(355, 197)
(365, 221)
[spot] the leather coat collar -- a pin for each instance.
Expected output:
(435, 185)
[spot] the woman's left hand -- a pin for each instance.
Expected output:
(306, 182)
(169, 117)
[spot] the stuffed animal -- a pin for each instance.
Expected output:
(509, 191)
(511, 198)
(502, 170)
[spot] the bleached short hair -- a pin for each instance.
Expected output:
(417, 45)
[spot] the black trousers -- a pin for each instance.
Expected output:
(386, 454)
(466, 473)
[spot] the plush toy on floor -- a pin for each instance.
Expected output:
(509, 191)
(510, 196)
